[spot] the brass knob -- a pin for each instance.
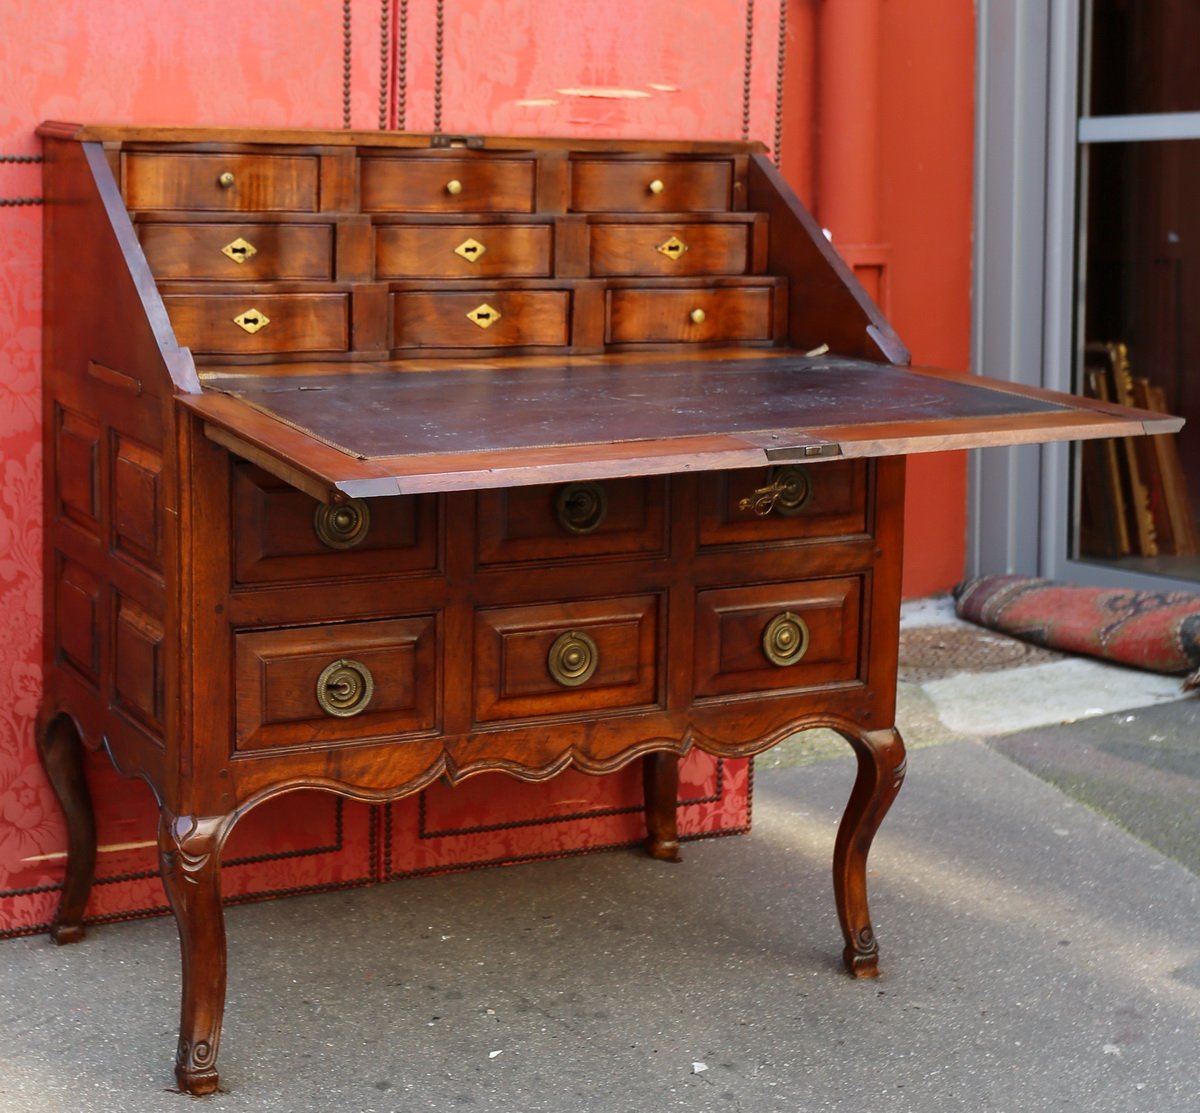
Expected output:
(225, 181)
(698, 316)
(344, 688)
(656, 186)
(580, 507)
(785, 640)
(454, 187)
(572, 658)
(342, 525)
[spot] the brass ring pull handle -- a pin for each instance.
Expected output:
(342, 525)
(344, 688)
(656, 187)
(454, 187)
(698, 316)
(785, 640)
(226, 180)
(788, 492)
(572, 659)
(580, 507)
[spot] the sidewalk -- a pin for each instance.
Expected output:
(1035, 955)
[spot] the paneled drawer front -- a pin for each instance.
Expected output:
(449, 185)
(564, 521)
(696, 315)
(209, 323)
(388, 667)
(518, 649)
(239, 252)
(463, 250)
(605, 186)
(281, 535)
(222, 183)
(813, 627)
(482, 319)
(669, 250)
(824, 500)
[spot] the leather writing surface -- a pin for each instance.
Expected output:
(386, 414)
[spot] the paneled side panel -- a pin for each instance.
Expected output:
(78, 614)
(136, 498)
(77, 470)
(138, 663)
(822, 623)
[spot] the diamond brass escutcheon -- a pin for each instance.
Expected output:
(239, 250)
(470, 249)
(672, 248)
(484, 315)
(252, 320)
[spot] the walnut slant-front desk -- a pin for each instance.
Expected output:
(376, 458)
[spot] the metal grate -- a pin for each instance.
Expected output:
(933, 652)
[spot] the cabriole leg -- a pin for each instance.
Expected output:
(660, 778)
(190, 858)
(61, 751)
(881, 767)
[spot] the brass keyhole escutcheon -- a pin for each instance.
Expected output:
(344, 688)
(342, 525)
(580, 507)
(239, 250)
(785, 640)
(470, 249)
(572, 659)
(697, 316)
(252, 320)
(484, 315)
(656, 187)
(672, 248)
(788, 492)
(454, 187)
(226, 180)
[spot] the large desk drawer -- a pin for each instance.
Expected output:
(774, 637)
(544, 659)
(221, 182)
(675, 186)
(312, 685)
(567, 521)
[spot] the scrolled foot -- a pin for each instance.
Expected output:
(660, 782)
(63, 934)
(861, 956)
(664, 850)
(196, 1068)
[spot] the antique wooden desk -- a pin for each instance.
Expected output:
(376, 458)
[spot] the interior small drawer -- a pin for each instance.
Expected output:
(265, 252)
(311, 685)
(568, 521)
(668, 250)
(693, 315)
(651, 186)
(564, 658)
(281, 535)
(771, 637)
(450, 185)
(463, 250)
(481, 319)
(220, 182)
(755, 506)
(258, 323)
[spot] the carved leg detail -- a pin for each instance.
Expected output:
(881, 767)
(190, 858)
(660, 777)
(61, 751)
